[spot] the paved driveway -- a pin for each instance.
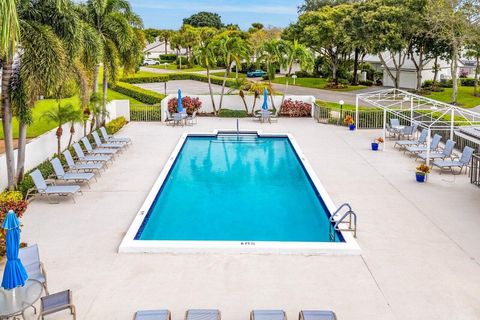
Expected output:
(187, 86)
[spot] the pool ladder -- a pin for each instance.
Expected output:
(348, 218)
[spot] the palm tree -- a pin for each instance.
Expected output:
(257, 89)
(9, 33)
(270, 54)
(114, 21)
(75, 116)
(240, 84)
(204, 55)
(59, 116)
(293, 52)
(233, 49)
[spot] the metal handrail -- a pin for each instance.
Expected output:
(345, 218)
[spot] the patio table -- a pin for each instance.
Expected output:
(14, 302)
(398, 130)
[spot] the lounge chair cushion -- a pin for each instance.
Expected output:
(317, 315)
(62, 189)
(202, 314)
(268, 315)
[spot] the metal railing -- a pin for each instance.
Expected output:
(349, 218)
(145, 113)
(475, 170)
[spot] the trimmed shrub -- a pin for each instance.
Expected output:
(184, 62)
(227, 113)
(152, 79)
(191, 104)
(367, 83)
(143, 95)
(115, 125)
(467, 82)
(304, 74)
(170, 57)
(296, 108)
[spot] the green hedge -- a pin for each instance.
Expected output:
(227, 113)
(143, 95)
(179, 76)
(467, 82)
(171, 57)
(115, 125)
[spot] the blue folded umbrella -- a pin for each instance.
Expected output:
(265, 99)
(179, 105)
(14, 274)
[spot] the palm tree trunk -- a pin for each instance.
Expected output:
(454, 69)
(72, 132)
(435, 74)
(95, 91)
(59, 139)
(22, 143)
(211, 91)
(355, 66)
(7, 123)
(286, 88)
(225, 76)
(271, 93)
(254, 103)
(104, 99)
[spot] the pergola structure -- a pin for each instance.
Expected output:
(413, 109)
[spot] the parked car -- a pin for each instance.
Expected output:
(150, 62)
(256, 74)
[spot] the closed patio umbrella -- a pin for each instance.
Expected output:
(14, 274)
(265, 99)
(179, 104)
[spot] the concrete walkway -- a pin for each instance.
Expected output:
(187, 86)
(156, 70)
(420, 253)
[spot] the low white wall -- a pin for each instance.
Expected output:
(44, 146)
(233, 102)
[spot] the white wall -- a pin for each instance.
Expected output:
(408, 79)
(44, 146)
(233, 102)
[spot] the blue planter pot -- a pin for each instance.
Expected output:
(420, 177)
(352, 127)
(374, 146)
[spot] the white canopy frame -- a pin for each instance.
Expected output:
(427, 113)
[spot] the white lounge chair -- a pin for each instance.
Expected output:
(203, 314)
(446, 153)
(406, 143)
(108, 145)
(97, 151)
(317, 315)
(461, 163)
(268, 315)
(102, 158)
(80, 177)
(433, 146)
(110, 138)
(79, 166)
(152, 315)
(42, 188)
(30, 258)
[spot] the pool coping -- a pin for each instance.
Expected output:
(130, 245)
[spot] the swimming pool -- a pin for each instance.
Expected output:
(247, 192)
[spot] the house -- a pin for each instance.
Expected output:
(158, 47)
(408, 72)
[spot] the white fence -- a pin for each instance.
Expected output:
(233, 102)
(44, 146)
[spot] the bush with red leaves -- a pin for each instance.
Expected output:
(191, 104)
(296, 108)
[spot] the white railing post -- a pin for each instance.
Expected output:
(357, 118)
(429, 142)
(452, 123)
(384, 129)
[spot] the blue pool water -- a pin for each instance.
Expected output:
(245, 188)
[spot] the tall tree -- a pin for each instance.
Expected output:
(313, 5)
(294, 52)
(115, 23)
(205, 56)
(204, 19)
(233, 49)
(453, 21)
(9, 34)
(271, 55)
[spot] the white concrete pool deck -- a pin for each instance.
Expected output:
(420, 242)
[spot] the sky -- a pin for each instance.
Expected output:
(163, 14)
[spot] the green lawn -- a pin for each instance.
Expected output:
(465, 99)
(316, 83)
(173, 66)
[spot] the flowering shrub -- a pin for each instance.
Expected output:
(296, 108)
(10, 200)
(191, 104)
(378, 140)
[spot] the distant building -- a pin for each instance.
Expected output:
(408, 72)
(155, 49)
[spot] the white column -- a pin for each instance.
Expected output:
(357, 119)
(384, 128)
(452, 123)
(429, 141)
(411, 111)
